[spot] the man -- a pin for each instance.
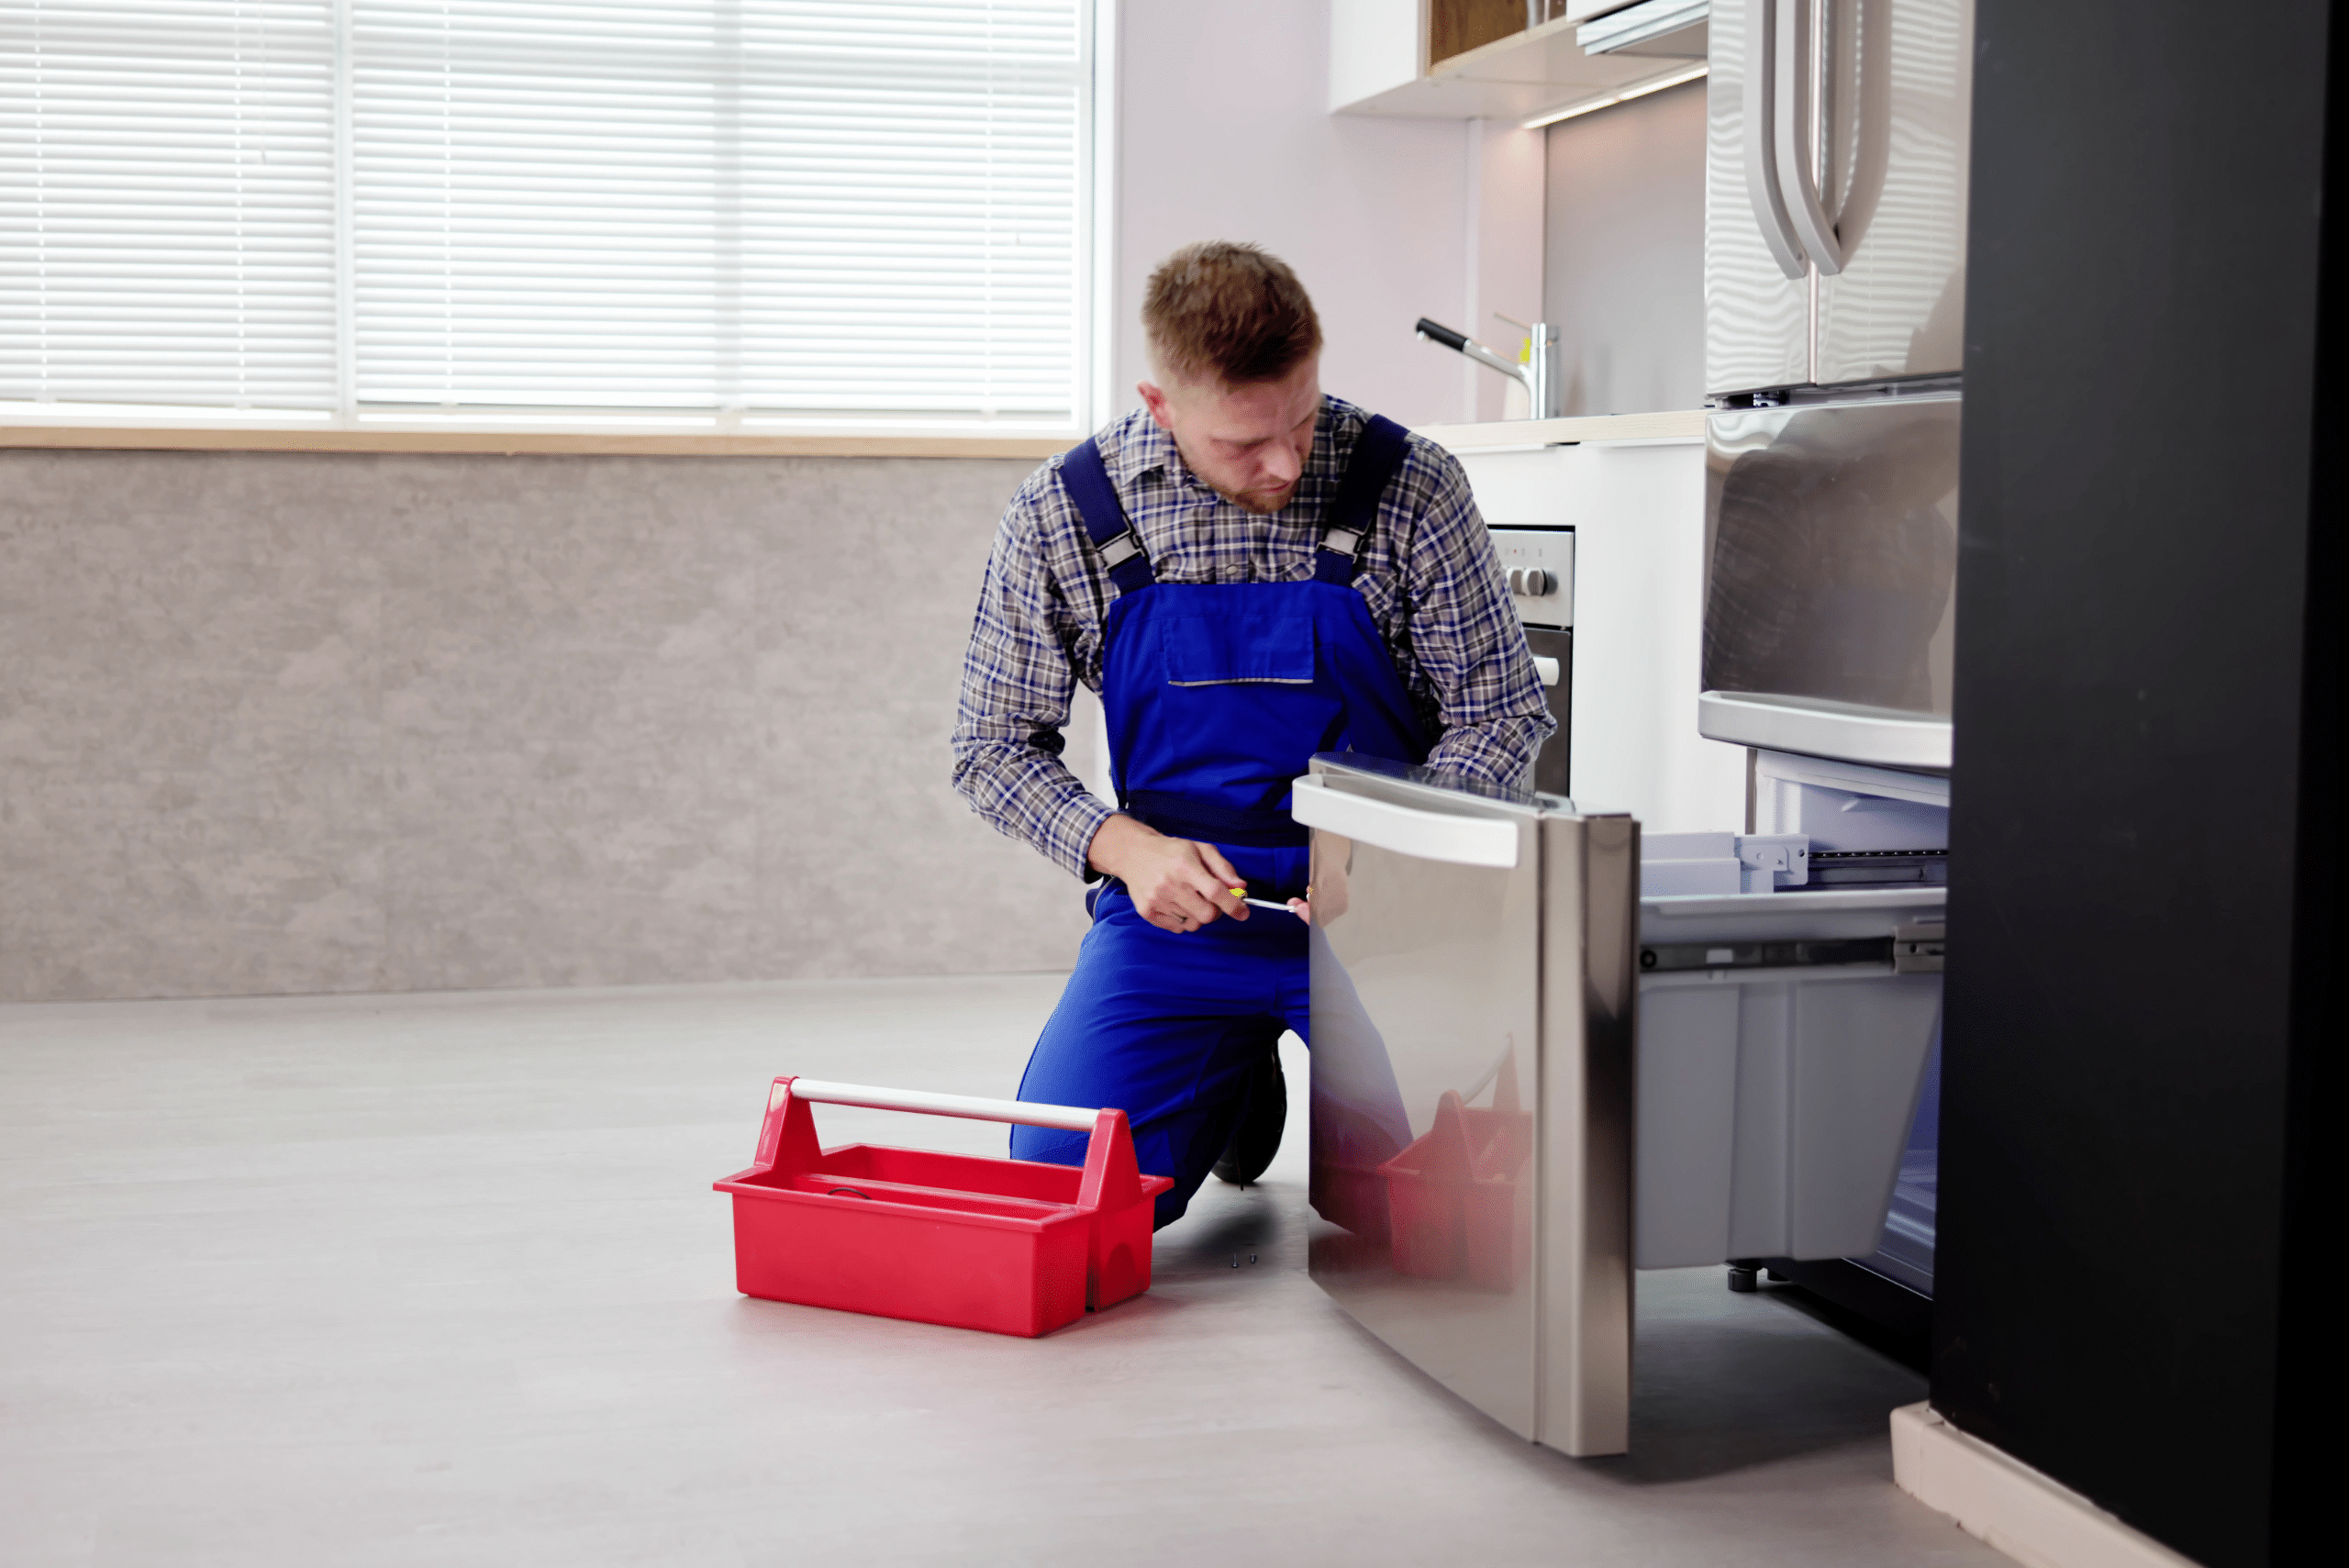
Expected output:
(1248, 573)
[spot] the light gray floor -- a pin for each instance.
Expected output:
(440, 1279)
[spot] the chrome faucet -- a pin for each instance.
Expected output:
(1538, 373)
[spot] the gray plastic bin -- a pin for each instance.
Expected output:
(1772, 1103)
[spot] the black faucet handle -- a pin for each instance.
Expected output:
(1436, 332)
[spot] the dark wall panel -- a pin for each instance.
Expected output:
(2141, 365)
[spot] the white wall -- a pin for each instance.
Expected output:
(1224, 133)
(1506, 231)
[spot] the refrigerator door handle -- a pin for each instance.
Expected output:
(1404, 829)
(1760, 164)
(1854, 734)
(1796, 131)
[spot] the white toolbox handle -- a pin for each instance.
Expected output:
(1423, 835)
(820, 1092)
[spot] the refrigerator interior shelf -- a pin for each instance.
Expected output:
(1668, 957)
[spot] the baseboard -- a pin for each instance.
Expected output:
(2036, 1521)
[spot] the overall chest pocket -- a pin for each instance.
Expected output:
(1238, 649)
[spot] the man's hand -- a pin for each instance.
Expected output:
(1177, 883)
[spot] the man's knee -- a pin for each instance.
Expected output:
(1049, 1145)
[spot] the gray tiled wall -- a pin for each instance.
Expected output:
(276, 723)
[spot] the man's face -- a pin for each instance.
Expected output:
(1249, 442)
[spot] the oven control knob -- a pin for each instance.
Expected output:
(1517, 579)
(1537, 583)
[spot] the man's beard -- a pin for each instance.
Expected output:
(1260, 502)
(1256, 503)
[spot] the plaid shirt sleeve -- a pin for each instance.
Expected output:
(1465, 645)
(1018, 677)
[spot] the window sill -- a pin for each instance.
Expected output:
(512, 444)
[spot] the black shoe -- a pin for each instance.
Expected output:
(1261, 1116)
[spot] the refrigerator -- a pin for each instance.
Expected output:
(1834, 300)
(1550, 1050)
(1834, 317)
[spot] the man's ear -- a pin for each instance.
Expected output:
(1154, 399)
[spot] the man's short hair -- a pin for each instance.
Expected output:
(1230, 313)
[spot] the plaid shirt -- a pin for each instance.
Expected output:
(1427, 572)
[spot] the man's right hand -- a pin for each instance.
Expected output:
(1178, 885)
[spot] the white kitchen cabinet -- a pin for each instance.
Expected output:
(1374, 46)
(1382, 62)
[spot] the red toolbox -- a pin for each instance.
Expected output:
(1011, 1246)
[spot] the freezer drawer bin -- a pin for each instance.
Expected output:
(1773, 1099)
(1010, 1246)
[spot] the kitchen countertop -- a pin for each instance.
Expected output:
(1676, 424)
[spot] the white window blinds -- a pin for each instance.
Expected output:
(167, 203)
(754, 213)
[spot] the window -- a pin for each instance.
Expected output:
(753, 215)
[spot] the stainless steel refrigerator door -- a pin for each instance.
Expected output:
(1467, 1215)
(1590, 869)
(1757, 288)
(1896, 106)
(1426, 1073)
(1831, 582)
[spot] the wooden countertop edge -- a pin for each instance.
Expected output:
(1677, 424)
(128, 437)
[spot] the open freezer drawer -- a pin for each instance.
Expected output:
(1776, 1087)
(1528, 1081)
(1472, 954)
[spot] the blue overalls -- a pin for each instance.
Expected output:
(1216, 694)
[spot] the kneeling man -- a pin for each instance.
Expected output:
(1247, 572)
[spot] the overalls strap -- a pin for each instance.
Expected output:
(1354, 511)
(1086, 480)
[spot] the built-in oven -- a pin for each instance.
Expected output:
(1540, 566)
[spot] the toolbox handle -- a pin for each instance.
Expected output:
(970, 1107)
(788, 1139)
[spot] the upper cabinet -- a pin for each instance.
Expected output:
(1503, 59)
